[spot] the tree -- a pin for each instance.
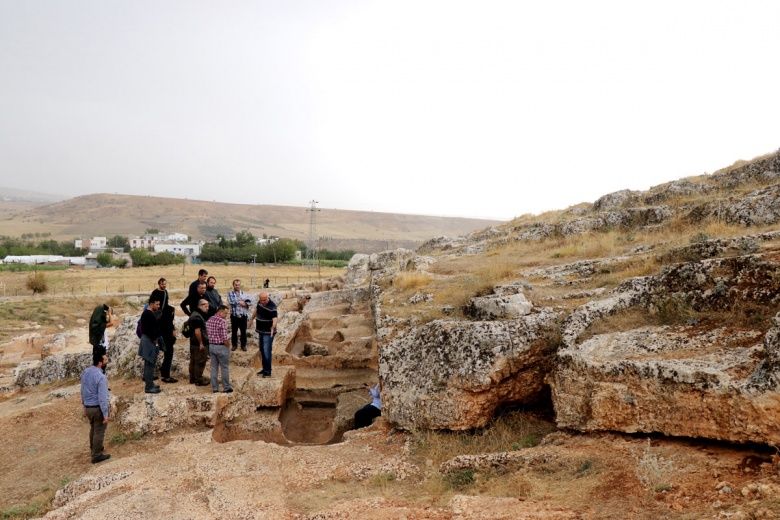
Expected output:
(119, 241)
(105, 259)
(244, 238)
(152, 231)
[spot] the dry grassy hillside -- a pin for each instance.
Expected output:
(106, 215)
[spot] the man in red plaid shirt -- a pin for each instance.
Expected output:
(219, 349)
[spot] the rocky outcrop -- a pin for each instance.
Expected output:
(178, 406)
(454, 374)
(499, 307)
(672, 381)
(678, 380)
(615, 200)
(758, 208)
(53, 368)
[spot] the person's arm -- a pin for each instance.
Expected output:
(225, 333)
(103, 399)
(273, 326)
(185, 305)
(199, 337)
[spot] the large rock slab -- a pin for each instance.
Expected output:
(676, 381)
(454, 374)
(185, 405)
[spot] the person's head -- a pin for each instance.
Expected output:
(202, 288)
(211, 282)
(155, 302)
(223, 310)
(263, 298)
(203, 306)
(236, 284)
(99, 360)
(162, 283)
(202, 274)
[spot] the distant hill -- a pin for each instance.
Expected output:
(16, 195)
(107, 215)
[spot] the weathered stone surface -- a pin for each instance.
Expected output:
(615, 200)
(495, 307)
(392, 261)
(672, 381)
(53, 368)
(314, 349)
(357, 270)
(453, 374)
(270, 391)
(158, 413)
(758, 208)
(180, 405)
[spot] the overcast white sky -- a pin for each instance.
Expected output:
(480, 108)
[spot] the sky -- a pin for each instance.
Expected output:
(455, 108)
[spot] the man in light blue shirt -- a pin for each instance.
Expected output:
(94, 397)
(239, 314)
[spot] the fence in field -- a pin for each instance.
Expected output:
(250, 284)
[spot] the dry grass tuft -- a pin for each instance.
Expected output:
(407, 280)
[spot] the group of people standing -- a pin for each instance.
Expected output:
(206, 328)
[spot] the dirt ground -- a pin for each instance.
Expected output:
(564, 476)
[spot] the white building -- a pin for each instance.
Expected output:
(92, 244)
(146, 242)
(178, 248)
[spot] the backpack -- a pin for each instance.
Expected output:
(138, 330)
(186, 329)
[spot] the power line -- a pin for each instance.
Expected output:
(312, 245)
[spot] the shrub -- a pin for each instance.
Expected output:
(37, 283)
(105, 259)
(460, 479)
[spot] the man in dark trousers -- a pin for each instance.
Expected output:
(199, 344)
(167, 330)
(149, 349)
(190, 303)
(94, 397)
(239, 313)
(265, 316)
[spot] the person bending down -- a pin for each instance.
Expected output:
(366, 415)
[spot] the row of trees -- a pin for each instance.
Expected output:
(282, 250)
(19, 247)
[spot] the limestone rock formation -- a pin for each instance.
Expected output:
(454, 374)
(678, 380)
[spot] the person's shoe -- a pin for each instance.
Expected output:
(214, 391)
(153, 390)
(100, 458)
(169, 380)
(232, 349)
(203, 383)
(229, 391)
(155, 378)
(266, 375)
(243, 348)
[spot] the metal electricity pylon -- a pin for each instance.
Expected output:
(312, 245)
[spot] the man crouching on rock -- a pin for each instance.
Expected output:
(148, 349)
(94, 397)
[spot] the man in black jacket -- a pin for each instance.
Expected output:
(190, 303)
(167, 330)
(148, 348)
